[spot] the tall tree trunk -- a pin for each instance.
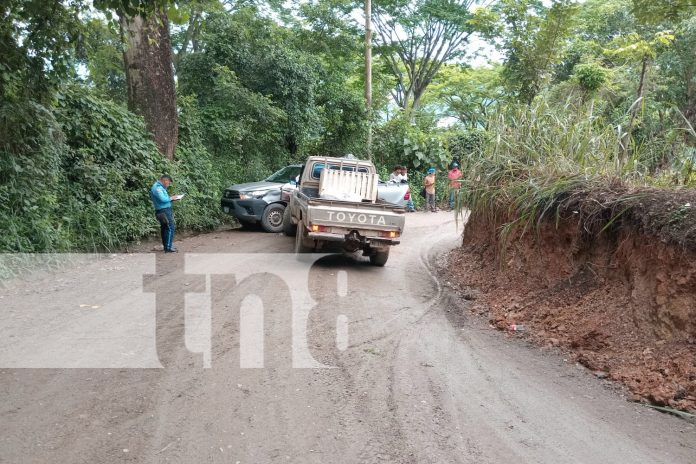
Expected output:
(415, 105)
(150, 76)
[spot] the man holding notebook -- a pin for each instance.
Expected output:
(163, 211)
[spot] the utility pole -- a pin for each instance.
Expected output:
(368, 74)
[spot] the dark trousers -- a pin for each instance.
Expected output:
(430, 201)
(453, 195)
(165, 217)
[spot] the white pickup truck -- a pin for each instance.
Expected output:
(336, 201)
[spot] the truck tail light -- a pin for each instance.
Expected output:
(389, 233)
(318, 228)
(407, 195)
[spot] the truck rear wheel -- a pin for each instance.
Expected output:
(379, 258)
(300, 247)
(289, 228)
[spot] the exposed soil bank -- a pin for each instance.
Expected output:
(624, 303)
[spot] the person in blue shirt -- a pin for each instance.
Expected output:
(163, 211)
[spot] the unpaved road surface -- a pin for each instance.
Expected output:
(100, 363)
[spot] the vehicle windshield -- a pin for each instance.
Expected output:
(285, 175)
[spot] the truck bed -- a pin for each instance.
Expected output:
(315, 200)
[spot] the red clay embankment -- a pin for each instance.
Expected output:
(621, 299)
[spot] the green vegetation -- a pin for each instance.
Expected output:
(592, 108)
(594, 143)
(78, 176)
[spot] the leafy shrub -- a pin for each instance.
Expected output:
(108, 168)
(31, 149)
(236, 123)
(77, 177)
(400, 142)
(464, 144)
(197, 173)
(590, 76)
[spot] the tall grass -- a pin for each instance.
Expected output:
(541, 163)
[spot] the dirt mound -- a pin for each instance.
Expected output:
(623, 302)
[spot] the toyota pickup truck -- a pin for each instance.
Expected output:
(336, 201)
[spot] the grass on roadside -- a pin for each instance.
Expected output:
(541, 166)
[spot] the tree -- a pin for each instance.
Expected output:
(37, 40)
(597, 23)
(415, 38)
(149, 67)
(150, 75)
(652, 12)
(101, 52)
(679, 63)
(634, 49)
(328, 31)
(263, 58)
(468, 94)
(678, 67)
(190, 18)
(237, 123)
(533, 39)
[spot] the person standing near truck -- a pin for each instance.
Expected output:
(429, 185)
(454, 175)
(396, 175)
(410, 207)
(162, 203)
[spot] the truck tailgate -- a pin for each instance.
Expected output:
(359, 216)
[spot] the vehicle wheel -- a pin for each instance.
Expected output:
(272, 219)
(300, 247)
(289, 228)
(380, 258)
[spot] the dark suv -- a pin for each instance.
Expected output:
(260, 202)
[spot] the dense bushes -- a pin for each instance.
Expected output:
(31, 148)
(107, 166)
(198, 173)
(76, 177)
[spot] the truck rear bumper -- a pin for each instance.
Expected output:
(328, 237)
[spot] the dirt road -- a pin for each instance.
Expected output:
(406, 376)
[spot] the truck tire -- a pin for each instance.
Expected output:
(300, 247)
(380, 258)
(289, 228)
(272, 218)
